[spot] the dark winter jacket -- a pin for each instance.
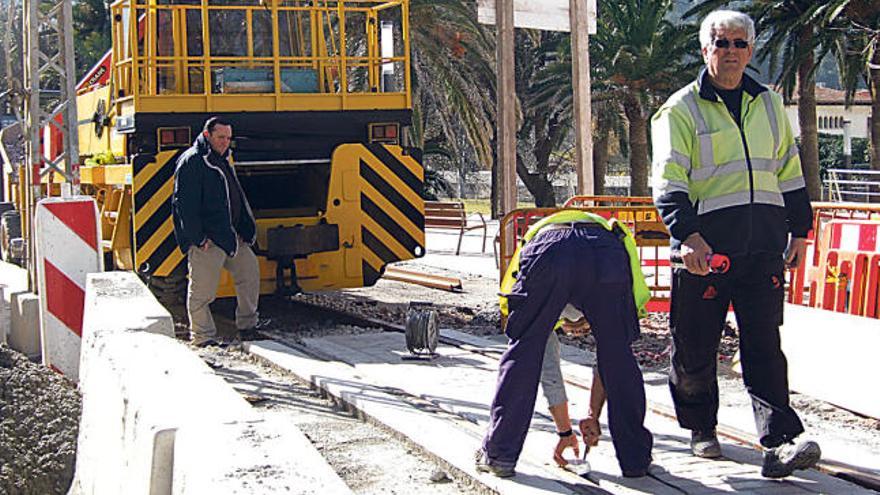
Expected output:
(201, 205)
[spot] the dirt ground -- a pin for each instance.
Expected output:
(39, 423)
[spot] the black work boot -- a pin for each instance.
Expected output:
(705, 444)
(781, 461)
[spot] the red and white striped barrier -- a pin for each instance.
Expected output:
(66, 233)
(855, 235)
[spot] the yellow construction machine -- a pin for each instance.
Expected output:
(318, 94)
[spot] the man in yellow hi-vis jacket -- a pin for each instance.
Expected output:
(728, 179)
(576, 258)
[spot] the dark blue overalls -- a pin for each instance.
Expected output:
(585, 265)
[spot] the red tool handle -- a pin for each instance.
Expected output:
(718, 263)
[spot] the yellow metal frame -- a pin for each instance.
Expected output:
(138, 65)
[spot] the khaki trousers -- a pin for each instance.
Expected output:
(205, 268)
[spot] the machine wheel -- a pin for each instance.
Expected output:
(170, 290)
(10, 229)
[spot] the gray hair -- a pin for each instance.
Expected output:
(726, 19)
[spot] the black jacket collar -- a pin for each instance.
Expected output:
(204, 148)
(707, 91)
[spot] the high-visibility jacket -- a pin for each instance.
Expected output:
(641, 294)
(739, 184)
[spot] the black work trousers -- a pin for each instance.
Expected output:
(588, 267)
(755, 286)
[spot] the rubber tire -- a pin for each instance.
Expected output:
(10, 228)
(170, 290)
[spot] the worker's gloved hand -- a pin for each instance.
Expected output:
(795, 252)
(695, 254)
(564, 443)
(591, 431)
(577, 328)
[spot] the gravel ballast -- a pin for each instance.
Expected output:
(39, 423)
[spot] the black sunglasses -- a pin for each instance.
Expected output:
(725, 43)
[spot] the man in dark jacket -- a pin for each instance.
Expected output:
(215, 228)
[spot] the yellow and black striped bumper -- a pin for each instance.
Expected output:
(156, 251)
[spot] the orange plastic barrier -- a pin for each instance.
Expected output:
(843, 273)
(650, 235)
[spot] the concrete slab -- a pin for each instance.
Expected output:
(829, 366)
(263, 457)
(119, 301)
(24, 324)
(461, 383)
(138, 389)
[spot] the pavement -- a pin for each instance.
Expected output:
(463, 384)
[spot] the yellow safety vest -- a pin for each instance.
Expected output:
(641, 294)
(699, 150)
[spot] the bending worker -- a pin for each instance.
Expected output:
(728, 179)
(578, 258)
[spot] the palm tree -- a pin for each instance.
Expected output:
(645, 57)
(794, 42)
(452, 76)
(856, 26)
(553, 88)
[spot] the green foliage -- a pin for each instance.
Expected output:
(436, 186)
(831, 152)
(91, 28)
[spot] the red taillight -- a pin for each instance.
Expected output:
(166, 136)
(384, 133)
(173, 137)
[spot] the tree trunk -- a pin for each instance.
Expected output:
(600, 155)
(875, 111)
(809, 149)
(638, 145)
(537, 184)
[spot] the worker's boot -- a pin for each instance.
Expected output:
(785, 459)
(482, 464)
(705, 444)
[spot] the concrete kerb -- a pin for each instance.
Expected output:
(24, 324)
(157, 420)
(20, 312)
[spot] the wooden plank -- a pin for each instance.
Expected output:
(423, 279)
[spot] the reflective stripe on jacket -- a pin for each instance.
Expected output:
(739, 185)
(641, 294)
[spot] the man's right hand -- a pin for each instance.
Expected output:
(206, 245)
(695, 253)
(590, 431)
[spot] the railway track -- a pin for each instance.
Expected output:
(859, 477)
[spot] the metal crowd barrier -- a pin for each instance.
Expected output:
(639, 215)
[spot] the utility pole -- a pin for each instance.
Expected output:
(506, 102)
(580, 81)
(47, 55)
